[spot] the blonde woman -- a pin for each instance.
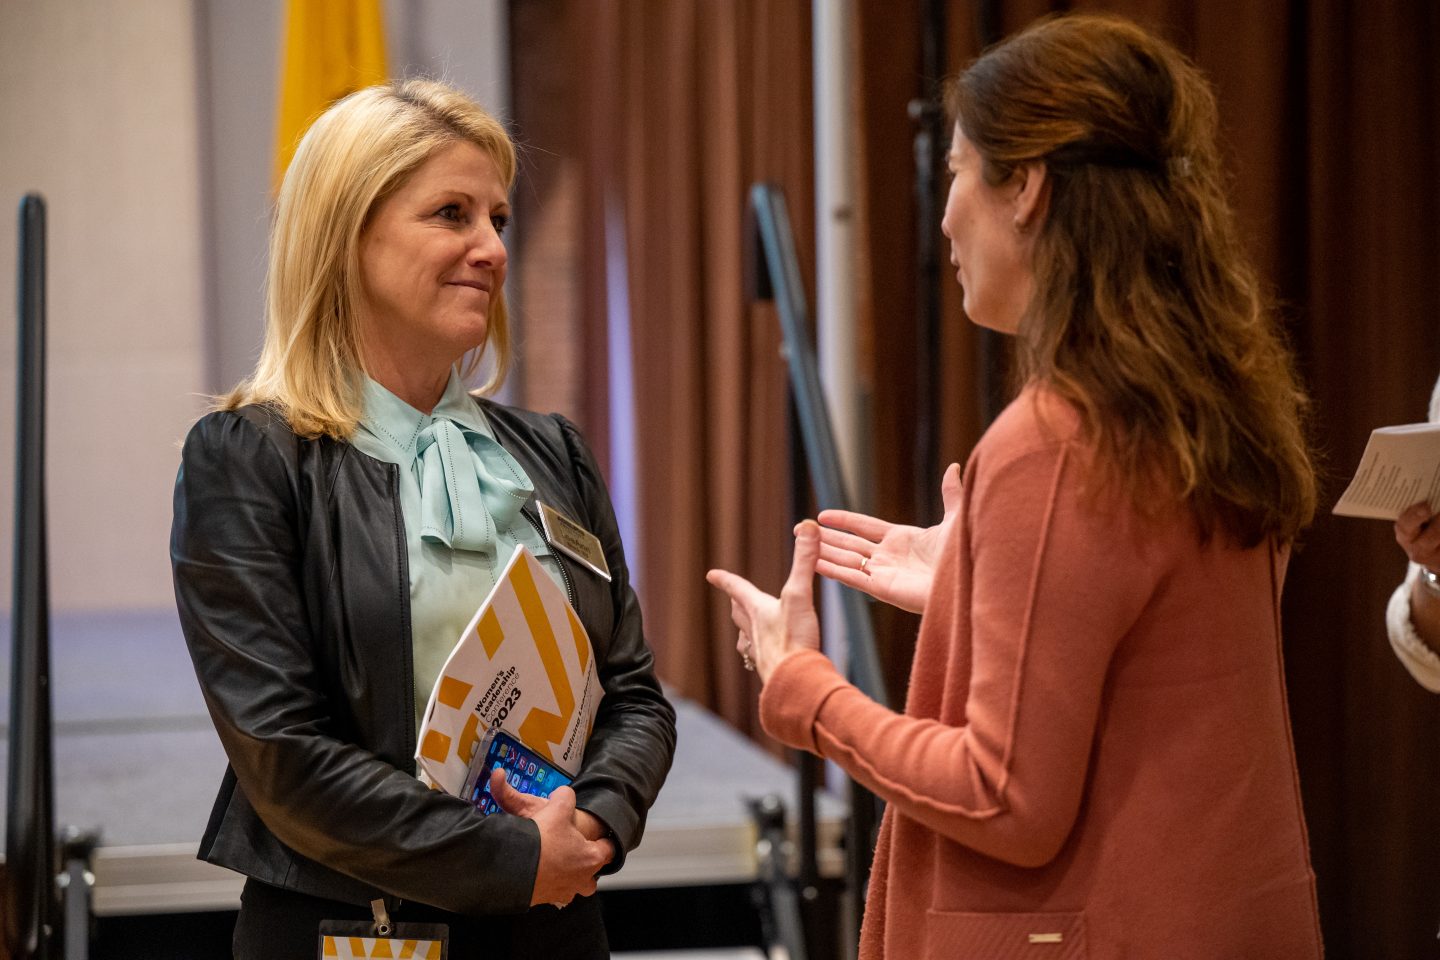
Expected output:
(338, 519)
(1094, 758)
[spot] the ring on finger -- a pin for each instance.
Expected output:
(865, 566)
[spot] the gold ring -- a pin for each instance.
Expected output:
(865, 566)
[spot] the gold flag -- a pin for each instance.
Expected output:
(332, 48)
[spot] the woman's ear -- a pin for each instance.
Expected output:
(1031, 196)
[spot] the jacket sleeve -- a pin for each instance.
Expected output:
(1055, 586)
(236, 550)
(633, 740)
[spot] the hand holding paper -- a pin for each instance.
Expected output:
(1419, 535)
(1400, 467)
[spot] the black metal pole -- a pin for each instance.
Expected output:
(776, 274)
(931, 142)
(77, 850)
(807, 765)
(29, 830)
(780, 920)
(782, 275)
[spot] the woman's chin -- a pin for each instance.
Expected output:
(975, 312)
(988, 321)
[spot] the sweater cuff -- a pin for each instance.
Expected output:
(790, 701)
(1422, 662)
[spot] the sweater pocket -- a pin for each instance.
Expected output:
(1005, 936)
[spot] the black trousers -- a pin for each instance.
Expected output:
(278, 924)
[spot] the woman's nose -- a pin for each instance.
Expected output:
(486, 246)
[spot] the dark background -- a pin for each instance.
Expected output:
(665, 113)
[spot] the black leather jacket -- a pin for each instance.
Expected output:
(291, 579)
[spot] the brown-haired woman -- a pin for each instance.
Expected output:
(1095, 756)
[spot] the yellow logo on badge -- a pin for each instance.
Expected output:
(354, 948)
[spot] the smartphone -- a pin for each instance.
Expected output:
(527, 771)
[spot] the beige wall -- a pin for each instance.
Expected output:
(148, 125)
(98, 112)
(461, 41)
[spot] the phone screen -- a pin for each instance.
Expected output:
(527, 771)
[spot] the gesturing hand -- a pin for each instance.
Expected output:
(892, 562)
(773, 627)
(569, 860)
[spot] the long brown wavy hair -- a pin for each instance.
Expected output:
(1147, 316)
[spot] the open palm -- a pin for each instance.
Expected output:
(898, 559)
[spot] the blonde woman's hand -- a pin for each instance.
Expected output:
(527, 805)
(892, 562)
(772, 627)
(512, 801)
(569, 862)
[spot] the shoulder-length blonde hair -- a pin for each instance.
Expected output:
(1147, 315)
(357, 153)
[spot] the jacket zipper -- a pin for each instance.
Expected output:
(559, 560)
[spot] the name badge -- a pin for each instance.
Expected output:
(573, 540)
(353, 940)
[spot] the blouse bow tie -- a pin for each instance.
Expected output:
(469, 487)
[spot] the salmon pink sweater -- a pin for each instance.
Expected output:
(1095, 756)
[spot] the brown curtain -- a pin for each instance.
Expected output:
(1358, 257)
(661, 115)
(663, 112)
(1331, 116)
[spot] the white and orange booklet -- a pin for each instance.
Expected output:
(524, 663)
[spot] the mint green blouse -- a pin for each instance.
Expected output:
(460, 498)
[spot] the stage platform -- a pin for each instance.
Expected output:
(137, 759)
